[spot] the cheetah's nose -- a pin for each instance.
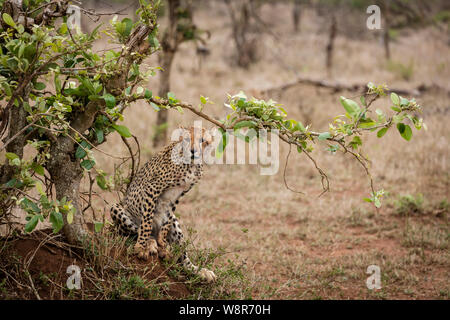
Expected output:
(195, 154)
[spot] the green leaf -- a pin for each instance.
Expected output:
(355, 142)
(101, 182)
(40, 188)
(324, 136)
(245, 124)
(81, 153)
(395, 98)
(7, 88)
(377, 202)
(299, 127)
(363, 101)
(8, 20)
(13, 183)
(98, 226)
(32, 223)
(418, 123)
(27, 107)
(44, 202)
(99, 135)
(404, 102)
(63, 29)
(382, 132)
(155, 106)
(180, 109)
(122, 130)
(94, 32)
(350, 106)
(88, 85)
(57, 221)
(27, 204)
(70, 215)
(154, 43)
(88, 164)
(405, 131)
(110, 100)
(39, 86)
(11, 156)
(38, 168)
(148, 94)
(366, 123)
(401, 128)
(20, 28)
(128, 25)
(203, 100)
(396, 109)
(21, 50)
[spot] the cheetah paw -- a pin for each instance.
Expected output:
(164, 253)
(207, 275)
(153, 247)
(143, 252)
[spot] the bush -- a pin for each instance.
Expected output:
(409, 204)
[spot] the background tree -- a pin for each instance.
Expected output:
(180, 28)
(296, 14)
(245, 22)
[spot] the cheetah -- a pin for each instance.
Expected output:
(148, 210)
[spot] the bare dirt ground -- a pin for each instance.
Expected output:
(294, 246)
(39, 264)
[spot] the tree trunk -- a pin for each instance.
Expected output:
(169, 45)
(243, 44)
(330, 45)
(296, 15)
(386, 38)
(67, 178)
(17, 120)
(66, 172)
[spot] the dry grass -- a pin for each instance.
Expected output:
(295, 246)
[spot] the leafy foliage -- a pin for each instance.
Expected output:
(65, 79)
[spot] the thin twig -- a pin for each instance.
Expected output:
(284, 172)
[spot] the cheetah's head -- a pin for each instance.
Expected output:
(198, 139)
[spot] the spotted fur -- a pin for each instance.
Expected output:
(148, 209)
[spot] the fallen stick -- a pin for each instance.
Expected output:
(337, 86)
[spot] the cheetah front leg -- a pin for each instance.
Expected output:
(170, 219)
(146, 245)
(163, 248)
(176, 236)
(167, 203)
